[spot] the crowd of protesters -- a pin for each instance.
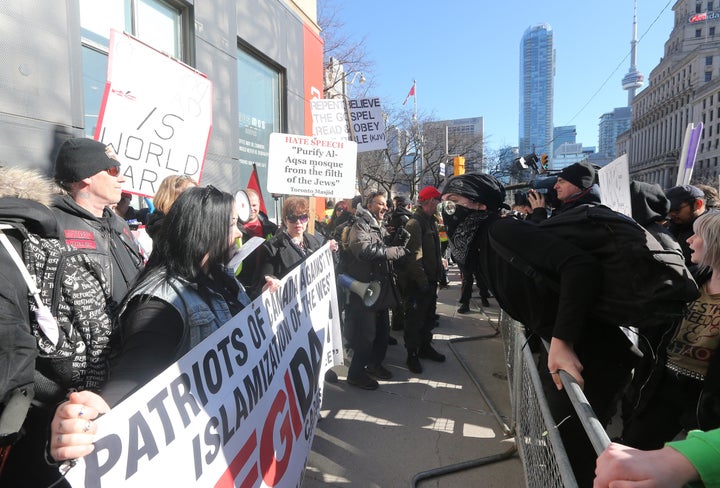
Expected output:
(168, 300)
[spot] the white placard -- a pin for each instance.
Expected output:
(615, 185)
(311, 166)
(240, 408)
(329, 120)
(368, 123)
(156, 114)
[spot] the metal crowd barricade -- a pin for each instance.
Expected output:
(537, 440)
(541, 450)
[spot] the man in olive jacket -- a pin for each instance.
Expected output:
(419, 274)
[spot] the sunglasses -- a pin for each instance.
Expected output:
(293, 219)
(113, 170)
(448, 206)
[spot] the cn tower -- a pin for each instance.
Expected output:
(633, 79)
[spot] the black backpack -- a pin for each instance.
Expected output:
(73, 287)
(642, 284)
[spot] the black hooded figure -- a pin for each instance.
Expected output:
(596, 354)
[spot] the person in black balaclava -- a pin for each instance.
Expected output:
(598, 356)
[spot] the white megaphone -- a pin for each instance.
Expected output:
(369, 292)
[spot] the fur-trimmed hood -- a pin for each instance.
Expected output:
(24, 198)
(26, 183)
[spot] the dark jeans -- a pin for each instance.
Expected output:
(607, 363)
(421, 317)
(466, 288)
(368, 333)
(26, 466)
(670, 410)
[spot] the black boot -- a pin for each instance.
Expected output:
(428, 352)
(413, 362)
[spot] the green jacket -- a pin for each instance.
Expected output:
(702, 450)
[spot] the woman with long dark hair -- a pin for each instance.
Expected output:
(183, 295)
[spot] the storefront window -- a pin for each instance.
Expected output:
(259, 114)
(154, 22)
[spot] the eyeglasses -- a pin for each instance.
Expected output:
(448, 206)
(293, 219)
(113, 170)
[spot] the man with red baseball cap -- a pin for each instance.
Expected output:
(418, 276)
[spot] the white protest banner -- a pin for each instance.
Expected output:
(311, 166)
(368, 124)
(239, 409)
(329, 120)
(614, 181)
(156, 114)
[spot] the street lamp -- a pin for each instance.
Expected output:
(347, 83)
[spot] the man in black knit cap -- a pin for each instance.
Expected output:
(576, 185)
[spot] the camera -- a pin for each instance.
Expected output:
(543, 185)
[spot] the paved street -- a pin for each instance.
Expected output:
(416, 423)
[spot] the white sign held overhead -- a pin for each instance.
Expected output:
(329, 118)
(156, 114)
(368, 123)
(615, 185)
(311, 166)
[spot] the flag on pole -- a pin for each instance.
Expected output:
(254, 184)
(410, 94)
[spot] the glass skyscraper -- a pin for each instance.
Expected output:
(537, 72)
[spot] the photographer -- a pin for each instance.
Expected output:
(573, 186)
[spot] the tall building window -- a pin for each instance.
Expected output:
(156, 22)
(708, 76)
(698, 32)
(260, 105)
(708, 60)
(711, 31)
(698, 8)
(710, 6)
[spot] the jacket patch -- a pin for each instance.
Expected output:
(80, 239)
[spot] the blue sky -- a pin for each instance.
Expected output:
(464, 55)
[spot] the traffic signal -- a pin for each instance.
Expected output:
(458, 165)
(544, 162)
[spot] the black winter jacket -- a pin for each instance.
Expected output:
(277, 257)
(107, 240)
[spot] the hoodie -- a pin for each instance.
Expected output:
(650, 207)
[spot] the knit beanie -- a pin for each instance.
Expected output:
(81, 158)
(581, 175)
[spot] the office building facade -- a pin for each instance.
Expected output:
(612, 124)
(562, 135)
(684, 88)
(537, 73)
(264, 59)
